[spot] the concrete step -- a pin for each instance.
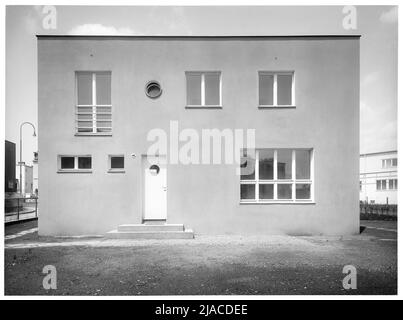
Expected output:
(184, 234)
(150, 227)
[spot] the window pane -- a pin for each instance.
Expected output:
(84, 109)
(247, 191)
(284, 163)
(84, 129)
(284, 191)
(104, 116)
(395, 183)
(303, 191)
(302, 164)
(84, 162)
(85, 124)
(284, 88)
(266, 191)
(104, 109)
(383, 184)
(193, 88)
(266, 161)
(212, 88)
(248, 167)
(84, 117)
(67, 162)
(378, 184)
(103, 83)
(266, 89)
(394, 162)
(103, 124)
(117, 162)
(84, 88)
(390, 184)
(104, 129)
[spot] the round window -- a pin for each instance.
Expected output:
(154, 170)
(153, 89)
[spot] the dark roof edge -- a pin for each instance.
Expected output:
(379, 152)
(199, 37)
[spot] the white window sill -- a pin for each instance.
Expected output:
(88, 134)
(277, 202)
(203, 107)
(74, 171)
(277, 107)
(116, 171)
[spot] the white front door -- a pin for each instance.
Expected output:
(155, 187)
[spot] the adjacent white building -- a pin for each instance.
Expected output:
(378, 177)
(27, 177)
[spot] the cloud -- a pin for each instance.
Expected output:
(389, 16)
(99, 29)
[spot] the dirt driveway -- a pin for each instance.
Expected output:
(207, 265)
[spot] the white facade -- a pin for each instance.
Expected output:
(378, 177)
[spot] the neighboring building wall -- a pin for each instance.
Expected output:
(381, 167)
(27, 179)
(10, 183)
(35, 172)
(203, 197)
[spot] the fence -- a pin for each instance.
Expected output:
(19, 208)
(378, 211)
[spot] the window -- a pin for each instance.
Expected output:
(360, 186)
(389, 163)
(116, 163)
(386, 184)
(203, 89)
(74, 163)
(276, 175)
(94, 106)
(276, 89)
(393, 184)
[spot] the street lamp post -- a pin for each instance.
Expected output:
(22, 124)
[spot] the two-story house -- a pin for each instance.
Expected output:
(105, 100)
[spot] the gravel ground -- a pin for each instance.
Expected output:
(207, 265)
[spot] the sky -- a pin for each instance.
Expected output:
(377, 26)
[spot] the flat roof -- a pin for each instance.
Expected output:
(332, 36)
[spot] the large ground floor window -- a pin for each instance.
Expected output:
(277, 176)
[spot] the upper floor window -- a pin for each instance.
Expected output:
(276, 89)
(203, 89)
(277, 175)
(94, 106)
(389, 163)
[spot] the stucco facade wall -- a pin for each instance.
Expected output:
(203, 197)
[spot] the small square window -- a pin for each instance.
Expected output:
(67, 162)
(247, 191)
(203, 89)
(84, 162)
(116, 163)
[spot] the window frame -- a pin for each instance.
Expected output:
(76, 169)
(275, 104)
(94, 107)
(203, 90)
(116, 170)
(388, 163)
(275, 181)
